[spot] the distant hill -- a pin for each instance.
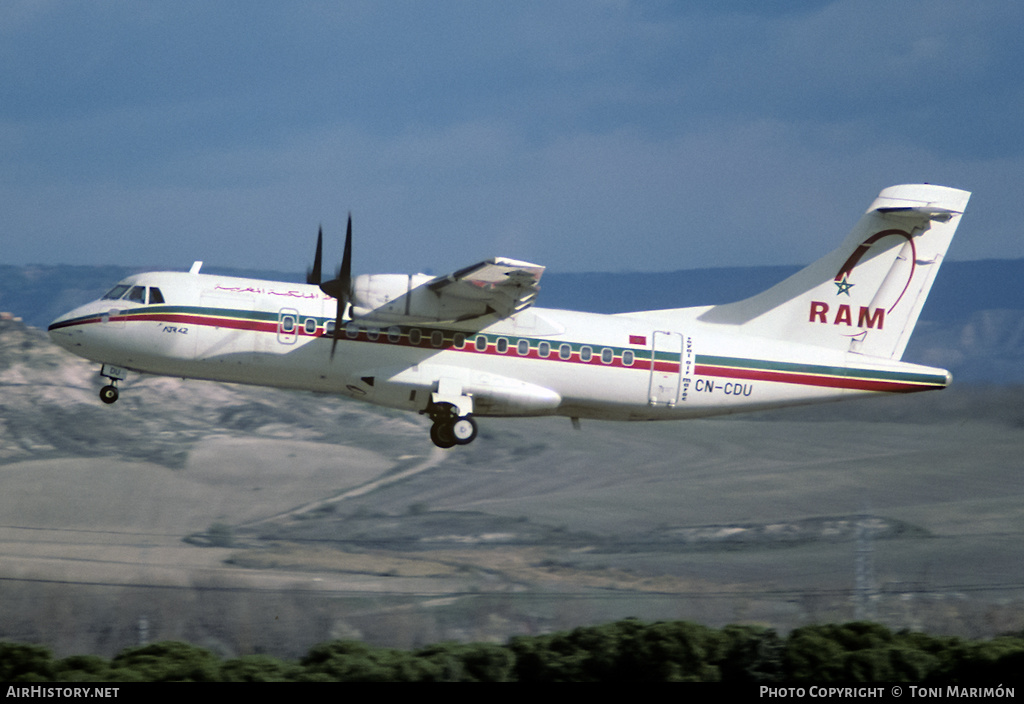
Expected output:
(972, 324)
(962, 288)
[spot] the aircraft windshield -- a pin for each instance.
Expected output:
(116, 292)
(133, 293)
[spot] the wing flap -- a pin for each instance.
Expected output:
(503, 286)
(499, 287)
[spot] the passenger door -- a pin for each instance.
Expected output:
(666, 357)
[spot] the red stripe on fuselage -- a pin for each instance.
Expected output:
(233, 323)
(833, 382)
(273, 327)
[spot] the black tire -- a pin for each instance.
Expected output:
(441, 434)
(108, 394)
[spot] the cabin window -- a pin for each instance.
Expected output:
(116, 292)
(437, 338)
(564, 351)
(460, 340)
(502, 345)
(481, 343)
(352, 331)
(627, 358)
(415, 336)
(607, 356)
(155, 296)
(372, 333)
(586, 353)
(523, 348)
(394, 334)
(287, 324)
(310, 326)
(329, 328)
(544, 350)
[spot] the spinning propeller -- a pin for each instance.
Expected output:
(313, 275)
(339, 288)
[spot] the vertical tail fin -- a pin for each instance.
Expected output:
(866, 295)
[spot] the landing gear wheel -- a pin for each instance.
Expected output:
(464, 430)
(108, 394)
(441, 434)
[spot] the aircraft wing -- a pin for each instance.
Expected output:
(500, 286)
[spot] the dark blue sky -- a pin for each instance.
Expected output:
(585, 136)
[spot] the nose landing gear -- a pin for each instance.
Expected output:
(108, 394)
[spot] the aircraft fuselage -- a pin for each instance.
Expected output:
(643, 366)
(472, 343)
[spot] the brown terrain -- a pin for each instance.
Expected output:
(251, 520)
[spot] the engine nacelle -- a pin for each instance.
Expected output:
(384, 295)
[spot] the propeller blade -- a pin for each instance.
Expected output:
(345, 274)
(337, 328)
(341, 288)
(313, 275)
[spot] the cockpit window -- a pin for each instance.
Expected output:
(116, 292)
(134, 293)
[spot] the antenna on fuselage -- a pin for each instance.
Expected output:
(196, 266)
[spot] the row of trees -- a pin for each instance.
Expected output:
(627, 650)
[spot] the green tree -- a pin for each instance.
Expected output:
(167, 661)
(83, 668)
(25, 663)
(469, 662)
(258, 668)
(997, 660)
(351, 661)
(625, 651)
(813, 654)
(752, 654)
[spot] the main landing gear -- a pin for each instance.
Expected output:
(449, 428)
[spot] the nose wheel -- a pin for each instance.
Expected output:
(108, 394)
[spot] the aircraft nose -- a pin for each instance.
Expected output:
(60, 331)
(54, 329)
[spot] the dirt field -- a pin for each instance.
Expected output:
(534, 527)
(255, 521)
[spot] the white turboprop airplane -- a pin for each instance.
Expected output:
(471, 344)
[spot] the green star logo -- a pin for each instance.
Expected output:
(844, 286)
